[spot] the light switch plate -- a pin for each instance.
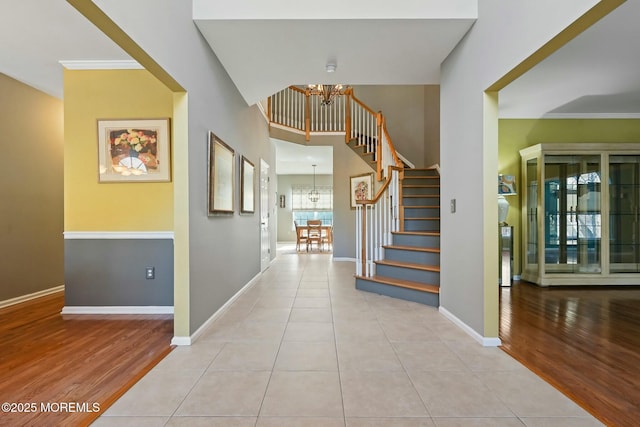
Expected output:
(453, 205)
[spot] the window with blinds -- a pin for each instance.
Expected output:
(300, 198)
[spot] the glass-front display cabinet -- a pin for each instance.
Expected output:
(580, 212)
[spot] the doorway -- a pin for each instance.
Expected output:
(265, 236)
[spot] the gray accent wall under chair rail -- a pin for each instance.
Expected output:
(111, 272)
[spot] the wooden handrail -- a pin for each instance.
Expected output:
(297, 89)
(382, 189)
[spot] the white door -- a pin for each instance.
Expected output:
(265, 240)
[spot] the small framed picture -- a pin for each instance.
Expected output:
(247, 196)
(221, 174)
(133, 150)
(361, 188)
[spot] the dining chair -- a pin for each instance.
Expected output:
(327, 236)
(302, 237)
(314, 227)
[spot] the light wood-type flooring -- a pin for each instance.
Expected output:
(57, 370)
(584, 341)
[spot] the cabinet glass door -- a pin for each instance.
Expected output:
(624, 201)
(572, 215)
(532, 215)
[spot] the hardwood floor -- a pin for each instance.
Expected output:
(584, 341)
(48, 360)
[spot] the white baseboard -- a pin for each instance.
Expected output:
(485, 341)
(29, 297)
(516, 278)
(159, 309)
(182, 340)
(346, 259)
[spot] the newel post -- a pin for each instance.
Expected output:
(363, 247)
(347, 116)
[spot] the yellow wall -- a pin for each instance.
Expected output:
(515, 134)
(88, 205)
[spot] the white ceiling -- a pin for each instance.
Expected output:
(35, 35)
(296, 159)
(597, 73)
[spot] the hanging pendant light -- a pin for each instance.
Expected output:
(314, 196)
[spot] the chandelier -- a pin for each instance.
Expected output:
(327, 92)
(314, 196)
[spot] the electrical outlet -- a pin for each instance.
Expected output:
(150, 272)
(453, 205)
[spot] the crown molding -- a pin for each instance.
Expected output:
(102, 65)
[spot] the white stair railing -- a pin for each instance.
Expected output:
(376, 219)
(364, 125)
(287, 108)
(327, 118)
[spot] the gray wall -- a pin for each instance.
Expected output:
(431, 125)
(31, 190)
(469, 148)
(111, 272)
(224, 252)
(403, 107)
(285, 215)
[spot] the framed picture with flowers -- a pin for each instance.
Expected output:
(361, 188)
(134, 150)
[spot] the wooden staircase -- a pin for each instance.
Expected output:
(410, 269)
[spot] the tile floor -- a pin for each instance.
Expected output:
(303, 347)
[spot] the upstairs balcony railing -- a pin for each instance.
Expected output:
(298, 110)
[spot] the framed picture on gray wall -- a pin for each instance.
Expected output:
(247, 196)
(361, 188)
(221, 177)
(133, 150)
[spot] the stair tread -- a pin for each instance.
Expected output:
(412, 265)
(420, 186)
(424, 287)
(412, 248)
(418, 233)
(431, 196)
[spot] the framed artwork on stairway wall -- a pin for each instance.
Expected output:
(247, 197)
(361, 187)
(133, 150)
(221, 170)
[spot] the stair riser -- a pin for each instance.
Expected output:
(416, 240)
(421, 201)
(426, 298)
(420, 181)
(420, 172)
(422, 225)
(403, 273)
(422, 213)
(431, 191)
(414, 257)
